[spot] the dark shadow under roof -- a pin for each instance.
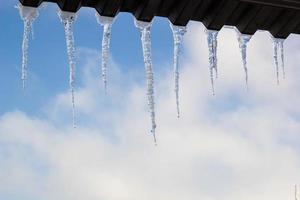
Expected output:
(279, 17)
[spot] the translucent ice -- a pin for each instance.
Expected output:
(212, 41)
(28, 15)
(144, 28)
(106, 22)
(243, 40)
(68, 18)
(278, 47)
(178, 33)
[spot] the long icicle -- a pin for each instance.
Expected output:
(178, 33)
(28, 15)
(144, 28)
(243, 40)
(106, 22)
(68, 18)
(25, 47)
(212, 42)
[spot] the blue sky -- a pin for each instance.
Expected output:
(48, 66)
(235, 145)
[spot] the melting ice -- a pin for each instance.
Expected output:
(178, 33)
(28, 15)
(212, 40)
(106, 22)
(68, 18)
(144, 28)
(278, 47)
(243, 41)
(281, 46)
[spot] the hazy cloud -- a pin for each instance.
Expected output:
(236, 145)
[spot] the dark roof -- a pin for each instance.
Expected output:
(279, 17)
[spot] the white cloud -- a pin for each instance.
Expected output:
(236, 145)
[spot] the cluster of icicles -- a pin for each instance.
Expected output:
(29, 14)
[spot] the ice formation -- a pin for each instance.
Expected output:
(106, 22)
(212, 41)
(278, 47)
(144, 28)
(243, 40)
(178, 33)
(68, 18)
(28, 15)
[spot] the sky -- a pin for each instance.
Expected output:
(235, 145)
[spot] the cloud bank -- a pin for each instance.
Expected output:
(235, 145)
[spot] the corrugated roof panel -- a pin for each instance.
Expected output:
(280, 17)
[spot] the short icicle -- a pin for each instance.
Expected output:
(68, 18)
(215, 44)
(144, 28)
(275, 57)
(281, 46)
(243, 40)
(28, 15)
(106, 22)
(278, 47)
(178, 33)
(212, 41)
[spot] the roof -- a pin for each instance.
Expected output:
(279, 17)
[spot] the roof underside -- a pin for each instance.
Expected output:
(279, 17)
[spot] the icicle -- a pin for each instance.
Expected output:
(215, 44)
(25, 46)
(281, 46)
(68, 18)
(275, 56)
(243, 40)
(212, 41)
(106, 22)
(32, 31)
(278, 46)
(28, 15)
(178, 33)
(144, 28)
